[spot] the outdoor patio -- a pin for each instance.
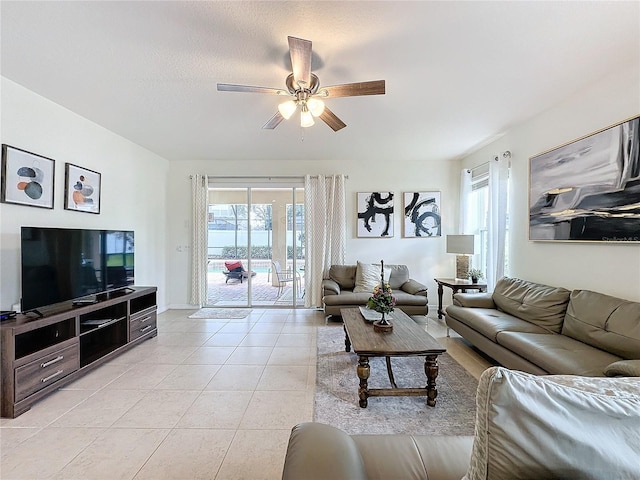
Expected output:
(233, 293)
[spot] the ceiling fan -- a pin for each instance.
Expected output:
(305, 89)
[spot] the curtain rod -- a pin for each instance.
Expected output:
(265, 177)
(505, 154)
(477, 167)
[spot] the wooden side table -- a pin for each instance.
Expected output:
(456, 285)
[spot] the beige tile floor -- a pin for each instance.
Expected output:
(210, 399)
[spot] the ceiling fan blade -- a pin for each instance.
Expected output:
(300, 52)
(375, 87)
(273, 121)
(330, 118)
(227, 87)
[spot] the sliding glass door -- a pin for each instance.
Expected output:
(255, 246)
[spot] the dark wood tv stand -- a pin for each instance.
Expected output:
(41, 354)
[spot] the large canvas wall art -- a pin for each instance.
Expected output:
(422, 214)
(589, 189)
(375, 214)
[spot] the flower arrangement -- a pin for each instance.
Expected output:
(475, 274)
(382, 300)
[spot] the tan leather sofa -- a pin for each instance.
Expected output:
(550, 330)
(527, 427)
(338, 290)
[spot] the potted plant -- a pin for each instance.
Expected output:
(475, 274)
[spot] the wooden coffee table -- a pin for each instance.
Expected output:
(407, 339)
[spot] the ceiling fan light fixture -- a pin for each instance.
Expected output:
(304, 87)
(316, 106)
(286, 109)
(306, 119)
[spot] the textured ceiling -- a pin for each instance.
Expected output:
(457, 73)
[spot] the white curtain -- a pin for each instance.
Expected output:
(326, 231)
(497, 218)
(465, 200)
(199, 212)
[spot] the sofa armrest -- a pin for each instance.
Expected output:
(474, 300)
(414, 288)
(320, 452)
(330, 287)
(623, 368)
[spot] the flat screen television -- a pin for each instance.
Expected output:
(62, 264)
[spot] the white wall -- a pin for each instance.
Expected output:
(424, 256)
(605, 267)
(134, 182)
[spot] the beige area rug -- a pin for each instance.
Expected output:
(336, 397)
(221, 313)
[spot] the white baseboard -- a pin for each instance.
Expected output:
(182, 306)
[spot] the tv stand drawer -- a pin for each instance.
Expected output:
(46, 370)
(142, 324)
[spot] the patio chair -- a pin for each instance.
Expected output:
(235, 270)
(285, 276)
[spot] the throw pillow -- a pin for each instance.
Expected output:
(625, 368)
(562, 426)
(367, 277)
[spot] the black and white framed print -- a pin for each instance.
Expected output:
(375, 214)
(422, 214)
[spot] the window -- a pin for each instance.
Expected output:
(477, 219)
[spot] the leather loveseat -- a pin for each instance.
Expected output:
(527, 427)
(350, 286)
(550, 330)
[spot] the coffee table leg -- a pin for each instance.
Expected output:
(347, 341)
(431, 370)
(363, 375)
(390, 372)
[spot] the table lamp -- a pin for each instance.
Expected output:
(462, 246)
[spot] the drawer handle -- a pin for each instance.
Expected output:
(51, 362)
(142, 330)
(145, 319)
(53, 375)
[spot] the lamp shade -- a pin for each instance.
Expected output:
(460, 244)
(306, 120)
(286, 109)
(316, 107)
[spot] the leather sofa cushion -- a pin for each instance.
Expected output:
(343, 275)
(489, 322)
(310, 444)
(605, 322)
(347, 299)
(399, 275)
(541, 304)
(531, 426)
(410, 457)
(323, 452)
(558, 354)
